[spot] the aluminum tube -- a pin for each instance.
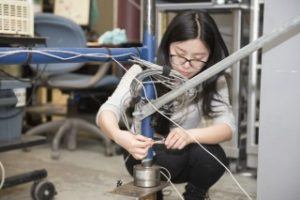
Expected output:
(290, 26)
(252, 81)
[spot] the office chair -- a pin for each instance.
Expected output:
(62, 32)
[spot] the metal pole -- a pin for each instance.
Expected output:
(290, 26)
(149, 28)
(251, 147)
(149, 43)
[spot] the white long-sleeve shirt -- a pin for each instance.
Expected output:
(192, 114)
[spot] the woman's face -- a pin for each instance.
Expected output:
(188, 57)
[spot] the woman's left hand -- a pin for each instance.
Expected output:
(178, 139)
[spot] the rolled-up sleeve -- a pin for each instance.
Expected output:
(222, 106)
(115, 102)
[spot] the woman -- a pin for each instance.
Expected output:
(191, 44)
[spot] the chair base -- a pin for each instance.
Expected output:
(68, 128)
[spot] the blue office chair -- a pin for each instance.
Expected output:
(62, 32)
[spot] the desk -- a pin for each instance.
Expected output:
(12, 40)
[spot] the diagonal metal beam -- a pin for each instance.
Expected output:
(292, 27)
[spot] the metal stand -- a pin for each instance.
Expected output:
(146, 176)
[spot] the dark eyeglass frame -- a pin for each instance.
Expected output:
(187, 60)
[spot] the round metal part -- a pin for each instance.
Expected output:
(43, 190)
(146, 176)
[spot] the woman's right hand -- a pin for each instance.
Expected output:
(137, 145)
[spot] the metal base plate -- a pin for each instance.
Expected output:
(131, 190)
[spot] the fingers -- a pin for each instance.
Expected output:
(140, 146)
(142, 138)
(138, 156)
(140, 153)
(142, 141)
(170, 139)
(176, 139)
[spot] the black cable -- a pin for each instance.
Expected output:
(109, 53)
(138, 51)
(29, 56)
(34, 87)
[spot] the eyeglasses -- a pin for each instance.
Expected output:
(180, 60)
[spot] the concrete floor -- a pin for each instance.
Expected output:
(87, 174)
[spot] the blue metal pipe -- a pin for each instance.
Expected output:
(69, 55)
(149, 43)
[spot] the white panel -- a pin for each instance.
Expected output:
(279, 150)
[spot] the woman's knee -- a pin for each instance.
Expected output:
(198, 156)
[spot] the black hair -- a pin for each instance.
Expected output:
(188, 25)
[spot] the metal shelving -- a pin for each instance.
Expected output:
(167, 6)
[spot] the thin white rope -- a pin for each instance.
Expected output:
(196, 141)
(76, 55)
(169, 180)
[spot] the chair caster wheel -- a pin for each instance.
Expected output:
(43, 190)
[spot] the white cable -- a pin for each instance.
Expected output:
(240, 187)
(122, 170)
(76, 55)
(2, 175)
(169, 180)
(192, 136)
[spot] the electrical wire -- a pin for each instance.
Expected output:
(168, 177)
(73, 54)
(2, 175)
(97, 55)
(196, 141)
(220, 162)
(33, 82)
(119, 181)
(48, 53)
